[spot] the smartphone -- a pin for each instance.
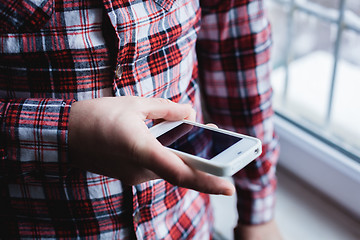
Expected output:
(209, 149)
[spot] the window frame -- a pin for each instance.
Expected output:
(321, 163)
(323, 167)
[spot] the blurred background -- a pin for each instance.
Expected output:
(316, 59)
(316, 81)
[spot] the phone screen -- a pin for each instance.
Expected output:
(197, 141)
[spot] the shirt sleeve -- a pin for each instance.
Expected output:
(234, 69)
(34, 138)
(24, 15)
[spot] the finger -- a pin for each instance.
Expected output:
(161, 108)
(170, 167)
(135, 175)
(212, 125)
(192, 116)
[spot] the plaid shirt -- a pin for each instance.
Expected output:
(55, 52)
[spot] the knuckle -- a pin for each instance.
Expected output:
(162, 100)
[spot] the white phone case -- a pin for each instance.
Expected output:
(225, 163)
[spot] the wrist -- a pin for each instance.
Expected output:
(72, 128)
(263, 231)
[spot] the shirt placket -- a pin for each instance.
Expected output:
(123, 44)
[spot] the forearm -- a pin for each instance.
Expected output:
(34, 132)
(234, 66)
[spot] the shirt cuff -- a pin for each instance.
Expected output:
(256, 207)
(36, 132)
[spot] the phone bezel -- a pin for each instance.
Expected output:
(225, 163)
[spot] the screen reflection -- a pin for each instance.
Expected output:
(197, 141)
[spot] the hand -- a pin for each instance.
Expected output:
(265, 231)
(108, 136)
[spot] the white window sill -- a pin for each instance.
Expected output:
(322, 167)
(306, 167)
(301, 213)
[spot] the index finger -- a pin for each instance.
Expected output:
(161, 108)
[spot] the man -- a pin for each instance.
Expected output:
(80, 83)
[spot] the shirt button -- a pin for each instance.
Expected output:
(118, 71)
(137, 217)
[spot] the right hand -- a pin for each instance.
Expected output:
(108, 136)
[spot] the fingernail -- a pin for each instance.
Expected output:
(229, 191)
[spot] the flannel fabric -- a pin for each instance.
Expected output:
(55, 52)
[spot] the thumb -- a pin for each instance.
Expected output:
(170, 167)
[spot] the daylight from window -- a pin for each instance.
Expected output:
(316, 62)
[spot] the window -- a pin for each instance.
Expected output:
(316, 74)
(316, 81)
